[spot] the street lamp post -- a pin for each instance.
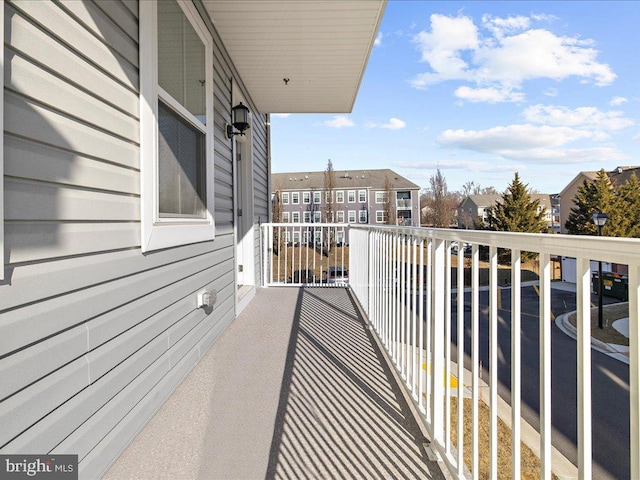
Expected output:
(600, 219)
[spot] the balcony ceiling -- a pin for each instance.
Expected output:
(321, 46)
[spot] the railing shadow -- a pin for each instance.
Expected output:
(339, 415)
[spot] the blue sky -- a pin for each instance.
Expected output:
(482, 90)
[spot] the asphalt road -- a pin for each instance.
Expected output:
(610, 380)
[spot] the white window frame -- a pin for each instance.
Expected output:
(285, 217)
(166, 232)
(340, 196)
(361, 214)
(340, 216)
(306, 217)
(362, 196)
(380, 216)
(351, 196)
(295, 215)
(317, 198)
(295, 198)
(285, 198)
(328, 197)
(382, 197)
(317, 216)
(306, 198)
(351, 216)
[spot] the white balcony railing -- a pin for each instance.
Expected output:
(402, 279)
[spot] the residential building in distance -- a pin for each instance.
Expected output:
(618, 177)
(475, 208)
(359, 196)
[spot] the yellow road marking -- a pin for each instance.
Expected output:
(453, 380)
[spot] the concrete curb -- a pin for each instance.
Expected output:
(563, 323)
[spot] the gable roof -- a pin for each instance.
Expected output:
(489, 200)
(352, 179)
(618, 176)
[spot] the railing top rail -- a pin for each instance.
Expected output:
(306, 224)
(607, 249)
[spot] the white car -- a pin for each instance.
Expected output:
(337, 275)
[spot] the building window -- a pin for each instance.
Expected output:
(317, 197)
(295, 198)
(285, 198)
(296, 236)
(362, 196)
(352, 216)
(339, 237)
(306, 197)
(306, 217)
(382, 197)
(295, 216)
(340, 196)
(328, 197)
(340, 216)
(351, 197)
(363, 216)
(381, 216)
(176, 120)
(285, 217)
(317, 216)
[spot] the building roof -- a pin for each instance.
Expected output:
(351, 179)
(618, 176)
(321, 48)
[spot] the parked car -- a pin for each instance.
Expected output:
(337, 275)
(302, 276)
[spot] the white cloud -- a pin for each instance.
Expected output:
(489, 95)
(378, 41)
(615, 101)
(513, 137)
(280, 115)
(551, 92)
(467, 165)
(581, 117)
(339, 121)
(509, 54)
(394, 124)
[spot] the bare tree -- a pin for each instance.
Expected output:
(329, 187)
(389, 205)
(441, 205)
(276, 215)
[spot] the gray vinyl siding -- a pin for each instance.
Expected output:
(94, 335)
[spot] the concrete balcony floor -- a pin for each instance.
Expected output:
(294, 388)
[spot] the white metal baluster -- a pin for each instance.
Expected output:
(437, 371)
(545, 367)
(429, 324)
(395, 314)
(388, 285)
(447, 347)
(460, 360)
(583, 298)
(493, 362)
(475, 366)
(516, 362)
(634, 371)
(415, 358)
(423, 361)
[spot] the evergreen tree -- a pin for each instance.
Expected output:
(517, 212)
(628, 208)
(592, 197)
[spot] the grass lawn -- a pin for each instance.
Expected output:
(610, 314)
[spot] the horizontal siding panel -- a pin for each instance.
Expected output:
(100, 396)
(31, 81)
(28, 365)
(22, 410)
(33, 283)
(25, 200)
(28, 324)
(26, 159)
(26, 119)
(103, 27)
(59, 25)
(179, 295)
(124, 14)
(29, 242)
(24, 37)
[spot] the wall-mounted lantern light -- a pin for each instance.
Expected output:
(239, 120)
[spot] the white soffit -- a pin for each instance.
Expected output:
(321, 46)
